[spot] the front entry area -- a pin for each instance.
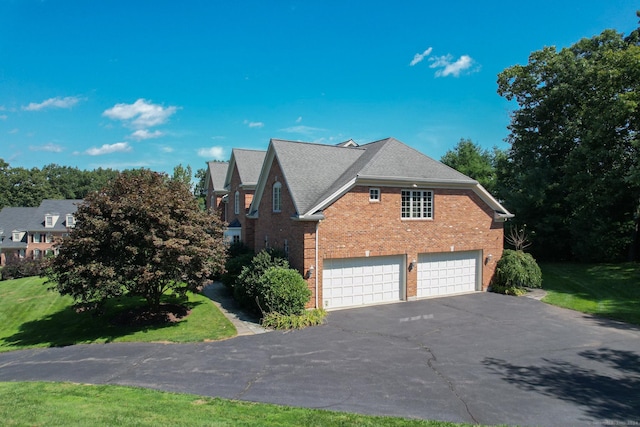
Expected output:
(448, 273)
(348, 282)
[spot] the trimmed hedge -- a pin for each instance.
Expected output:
(245, 288)
(515, 271)
(283, 290)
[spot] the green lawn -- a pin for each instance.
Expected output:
(53, 404)
(32, 316)
(607, 290)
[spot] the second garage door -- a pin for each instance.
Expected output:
(448, 273)
(350, 282)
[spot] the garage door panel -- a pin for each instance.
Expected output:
(361, 281)
(447, 273)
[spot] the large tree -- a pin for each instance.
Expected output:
(142, 235)
(474, 161)
(572, 174)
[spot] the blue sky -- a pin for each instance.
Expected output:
(125, 84)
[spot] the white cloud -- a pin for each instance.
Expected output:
(418, 57)
(141, 134)
(57, 102)
(3, 117)
(118, 147)
(216, 153)
(299, 119)
(50, 147)
(253, 124)
(166, 149)
(302, 129)
(141, 114)
(14, 131)
(449, 68)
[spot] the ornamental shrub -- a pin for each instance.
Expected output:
(294, 321)
(239, 256)
(515, 271)
(245, 288)
(283, 290)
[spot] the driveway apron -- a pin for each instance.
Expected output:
(477, 358)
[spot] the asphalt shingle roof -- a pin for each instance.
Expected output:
(14, 219)
(218, 173)
(50, 206)
(314, 172)
(249, 164)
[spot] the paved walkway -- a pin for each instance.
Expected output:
(245, 323)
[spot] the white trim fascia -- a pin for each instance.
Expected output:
(331, 198)
(309, 217)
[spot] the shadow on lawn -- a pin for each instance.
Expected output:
(68, 327)
(614, 397)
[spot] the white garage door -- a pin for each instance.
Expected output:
(350, 282)
(448, 273)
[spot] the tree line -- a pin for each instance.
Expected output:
(571, 174)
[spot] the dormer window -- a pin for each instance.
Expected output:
(277, 197)
(71, 221)
(48, 221)
(16, 236)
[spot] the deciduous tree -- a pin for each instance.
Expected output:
(143, 235)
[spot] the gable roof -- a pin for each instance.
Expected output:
(216, 174)
(248, 163)
(317, 174)
(14, 219)
(57, 207)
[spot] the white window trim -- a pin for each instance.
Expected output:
(425, 208)
(375, 191)
(48, 221)
(37, 238)
(277, 197)
(236, 203)
(71, 221)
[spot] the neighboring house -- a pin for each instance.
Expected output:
(240, 182)
(31, 232)
(369, 224)
(216, 194)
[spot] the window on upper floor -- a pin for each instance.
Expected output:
(16, 236)
(48, 238)
(236, 203)
(277, 197)
(48, 221)
(374, 194)
(36, 238)
(71, 220)
(417, 204)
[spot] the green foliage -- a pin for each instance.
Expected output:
(283, 290)
(28, 187)
(16, 268)
(238, 257)
(475, 162)
(572, 172)
(245, 289)
(182, 175)
(514, 271)
(276, 320)
(141, 235)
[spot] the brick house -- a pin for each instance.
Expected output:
(369, 224)
(216, 194)
(240, 182)
(31, 232)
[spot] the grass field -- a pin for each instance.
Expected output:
(64, 404)
(32, 316)
(607, 290)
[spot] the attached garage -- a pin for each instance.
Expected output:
(348, 282)
(448, 273)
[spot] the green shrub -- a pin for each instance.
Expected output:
(515, 271)
(283, 290)
(245, 288)
(238, 256)
(294, 321)
(17, 268)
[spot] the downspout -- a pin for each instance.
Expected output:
(317, 269)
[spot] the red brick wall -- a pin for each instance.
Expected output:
(355, 227)
(246, 196)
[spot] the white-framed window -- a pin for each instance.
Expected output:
(277, 197)
(36, 254)
(48, 238)
(71, 221)
(22, 253)
(236, 203)
(48, 252)
(16, 236)
(236, 239)
(37, 238)
(48, 221)
(374, 194)
(417, 204)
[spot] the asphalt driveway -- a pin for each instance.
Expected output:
(481, 357)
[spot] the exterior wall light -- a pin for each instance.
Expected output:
(488, 260)
(310, 272)
(412, 265)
